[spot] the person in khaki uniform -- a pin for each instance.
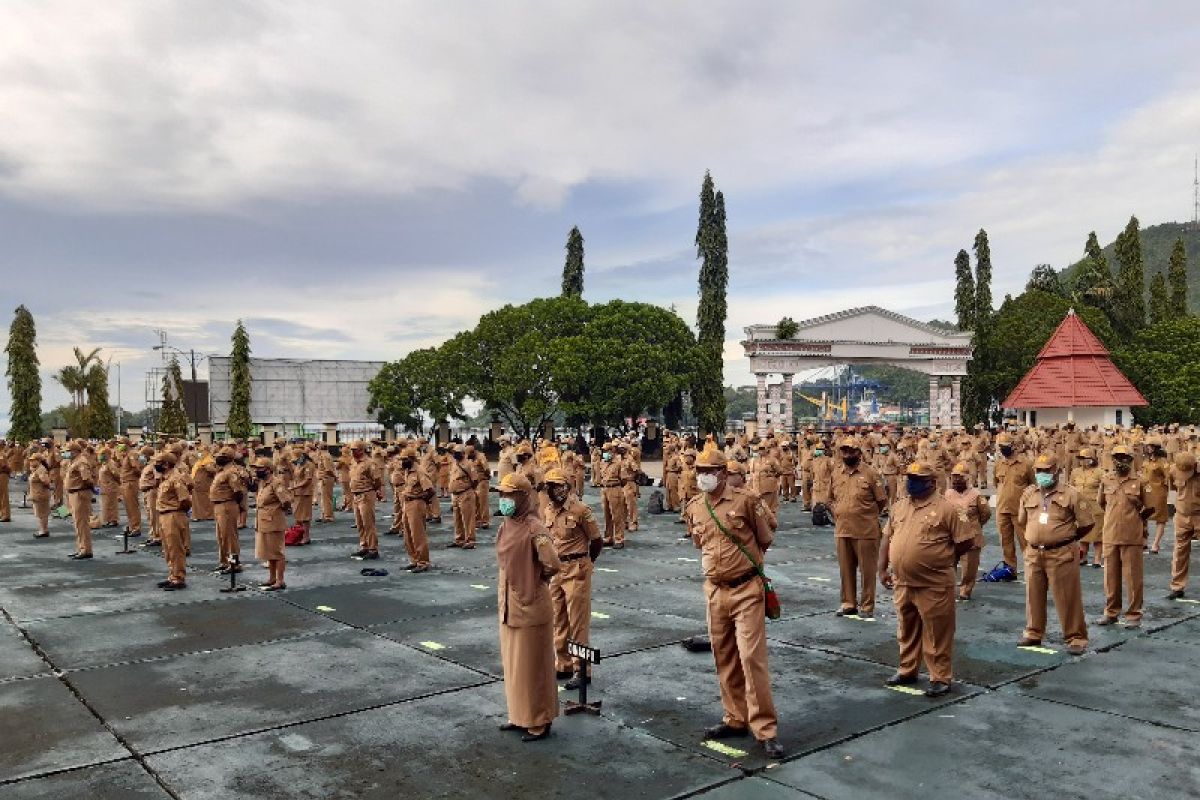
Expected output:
(396, 475)
(303, 487)
(481, 471)
(736, 600)
(172, 502)
(130, 470)
(110, 490)
(327, 478)
(765, 478)
(973, 507)
(1154, 473)
(40, 487)
(270, 520)
(1054, 519)
(687, 485)
(527, 562)
(415, 492)
(672, 470)
(202, 476)
(578, 543)
(148, 485)
(858, 500)
(1086, 478)
(463, 496)
(5, 472)
(629, 486)
(366, 487)
(1187, 520)
(78, 481)
(612, 498)
(225, 493)
(1014, 475)
(1127, 501)
(926, 535)
(822, 476)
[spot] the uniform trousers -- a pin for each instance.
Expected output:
(630, 491)
(925, 626)
(571, 595)
(1056, 571)
(465, 517)
(174, 529)
(364, 519)
(226, 514)
(969, 564)
(1123, 565)
(738, 631)
(1012, 536)
(1185, 530)
(858, 557)
(416, 540)
(133, 514)
(613, 501)
(327, 500)
(81, 512)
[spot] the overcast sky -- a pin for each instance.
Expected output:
(357, 179)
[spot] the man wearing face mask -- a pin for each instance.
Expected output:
(173, 501)
(303, 489)
(462, 494)
(366, 489)
(79, 479)
(1127, 502)
(1187, 520)
(858, 500)
(1014, 475)
(717, 518)
(578, 543)
(130, 470)
(416, 492)
(1054, 520)
(225, 492)
(612, 498)
(148, 485)
(974, 512)
(925, 535)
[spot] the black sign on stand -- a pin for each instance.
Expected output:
(234, 563)
(124, 551)
(584, 655)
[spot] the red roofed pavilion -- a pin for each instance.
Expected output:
(1074, 380)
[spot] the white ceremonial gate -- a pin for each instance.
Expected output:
(868, 335)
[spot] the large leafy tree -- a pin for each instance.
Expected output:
(1163, 362)
(75, 378)
(238, 424)
(1177, 277)
(630, 359)
(572, 279)
(419, 384)
(507, 361)
(172, 420)
(964, 291)
(1044, 278)
(712, 247)
(1129, 301)
(24, 380)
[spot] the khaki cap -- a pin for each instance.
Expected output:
(961, 469)
(1046, 462)
(515, 483)
(262, 462)
(710, 458)
(919, 469)
(1121, 450)
(555, 476)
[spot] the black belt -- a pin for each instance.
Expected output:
(736, 582)
(76, 491)
(572, 557)
(1044, 547)
(221, 502)
(173, 511)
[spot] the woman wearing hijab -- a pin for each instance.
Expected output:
(273, 503)
(527, 561)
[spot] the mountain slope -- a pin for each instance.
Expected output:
(1157, 242)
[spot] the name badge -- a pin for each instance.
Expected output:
(1043, 518)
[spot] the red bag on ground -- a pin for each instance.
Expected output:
(293, 535)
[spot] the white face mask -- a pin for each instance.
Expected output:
(707, 481)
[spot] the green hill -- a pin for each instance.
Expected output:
(1157, 241)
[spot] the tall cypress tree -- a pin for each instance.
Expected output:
(712, 246)
(1094, 283)
(172, 421)
(983, 278)
(572, 278)
(238, 424)
(1178, 280)
(964, 291)
(24, 381)
(1129, 301)
(1160, 299)
(99, 416)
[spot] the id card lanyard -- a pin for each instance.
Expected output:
(1044, 517)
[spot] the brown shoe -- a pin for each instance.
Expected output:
(1027, 642)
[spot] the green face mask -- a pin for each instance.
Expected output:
(1044, 479)
(607, 456)
(508, 506)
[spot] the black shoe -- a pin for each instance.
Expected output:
(900, 680)
(772, 748)
(371, 555)
(152, 543)
(508, 726)
(937, 689)
(451, 545)
(724, 731)
(845, 612)
(410, 567)
(537, 737)
(697, 644)
(163, 584)
(576, 681)
(866, 615)
(1104, 621)
(81, 556)
(1177, 594)
(563, 674)
(358, 554)
(174, 587)
(1025, 641)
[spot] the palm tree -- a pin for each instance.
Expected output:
(75, 378)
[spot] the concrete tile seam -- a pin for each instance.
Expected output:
(286, 725)
(50, 773)
(1158, 724)
(65, 681)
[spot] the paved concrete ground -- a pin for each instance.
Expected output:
(345, 686)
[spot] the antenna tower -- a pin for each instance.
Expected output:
(1196, 193)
